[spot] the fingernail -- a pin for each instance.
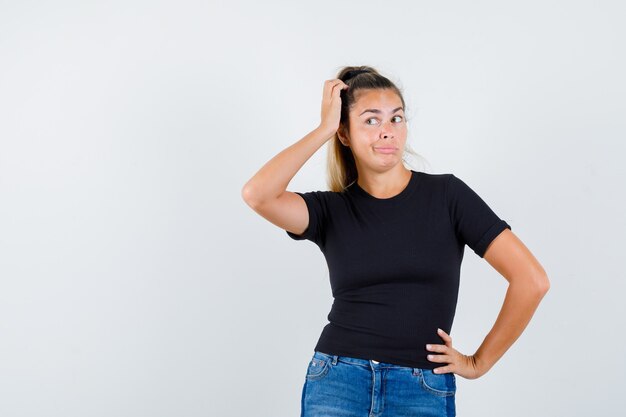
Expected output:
(439, 330)
(427, 346)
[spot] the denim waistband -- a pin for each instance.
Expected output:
(367, 363)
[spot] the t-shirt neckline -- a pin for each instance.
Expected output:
(400, 196)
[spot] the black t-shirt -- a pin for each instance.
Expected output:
(394, 264)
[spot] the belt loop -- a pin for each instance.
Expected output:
(335, 359)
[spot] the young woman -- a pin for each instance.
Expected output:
(394, 240)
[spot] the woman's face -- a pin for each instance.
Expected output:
(377, 129)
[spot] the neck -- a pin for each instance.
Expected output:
(384, 184)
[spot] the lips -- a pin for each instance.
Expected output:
(386, 149)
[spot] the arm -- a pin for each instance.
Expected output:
(266, 192)
(528, 283)
(274, 177)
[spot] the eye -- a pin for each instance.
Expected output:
(373, 118)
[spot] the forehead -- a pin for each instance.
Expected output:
(385, 100)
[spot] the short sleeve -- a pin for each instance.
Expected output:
(316, 204)
(474, 222)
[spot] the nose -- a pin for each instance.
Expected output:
(385, 131)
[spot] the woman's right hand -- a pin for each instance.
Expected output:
(331, 105)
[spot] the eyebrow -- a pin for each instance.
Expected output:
(378, 111)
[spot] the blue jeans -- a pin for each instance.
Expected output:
(350, 387)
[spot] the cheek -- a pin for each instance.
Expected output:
(365, 135)
(358, 130)
(362, 146)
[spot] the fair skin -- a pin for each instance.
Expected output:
(377, 137)
(382, 174)
(528, 283)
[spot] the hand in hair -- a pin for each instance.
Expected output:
(331, 105)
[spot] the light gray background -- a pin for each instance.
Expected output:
(134, 280)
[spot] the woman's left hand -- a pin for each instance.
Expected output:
(457, 362)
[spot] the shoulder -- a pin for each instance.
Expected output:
(322, 195)
(445, 185)
(435, 180)
(323, 198)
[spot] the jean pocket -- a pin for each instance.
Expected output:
(318, 366)
(442, 385)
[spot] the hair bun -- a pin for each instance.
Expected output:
(353, 73)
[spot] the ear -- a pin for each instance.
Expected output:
(342, 136)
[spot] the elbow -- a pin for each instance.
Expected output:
(542, 284)
(540, 281)
(535, 285)
(249, 195)
(256, 194)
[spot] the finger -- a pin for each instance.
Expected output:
(338, 87)
(329, 87)
(327, 91)
(446, 338)
(437, 348)
(442, 370)
(439, 358)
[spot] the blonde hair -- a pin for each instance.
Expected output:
(340, 165)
